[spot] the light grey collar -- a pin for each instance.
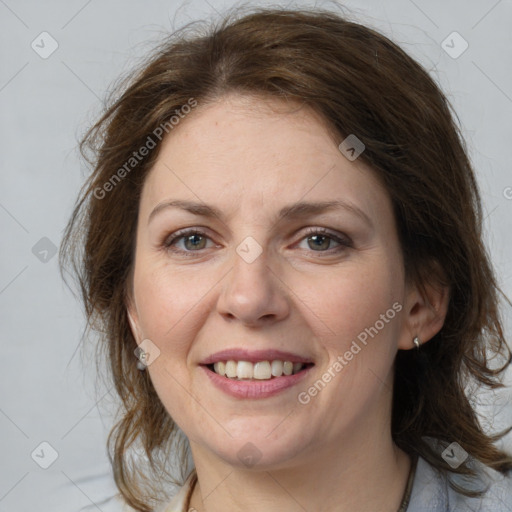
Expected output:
(431, 492)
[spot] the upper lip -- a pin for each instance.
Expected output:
(253, 356)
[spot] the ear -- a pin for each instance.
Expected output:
(425, 311)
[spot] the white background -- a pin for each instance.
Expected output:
(47, 391)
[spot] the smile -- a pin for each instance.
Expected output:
(255, 388)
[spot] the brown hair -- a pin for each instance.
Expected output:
(361, 83)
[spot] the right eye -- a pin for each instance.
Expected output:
(194, 241)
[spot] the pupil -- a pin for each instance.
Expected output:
(316, 239)
(192, 238)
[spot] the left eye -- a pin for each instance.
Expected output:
(319, 240)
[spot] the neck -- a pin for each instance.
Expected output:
(355, 474)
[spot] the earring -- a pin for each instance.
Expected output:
(422, 359)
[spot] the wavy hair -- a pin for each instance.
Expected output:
(360, 83)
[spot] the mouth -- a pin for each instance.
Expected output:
(255, 374)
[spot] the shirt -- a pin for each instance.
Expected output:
(430, 492)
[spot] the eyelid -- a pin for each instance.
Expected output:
(341, 237)
(175, 236)
(343, 240)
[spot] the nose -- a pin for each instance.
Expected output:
(253, 294)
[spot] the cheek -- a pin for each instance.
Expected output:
(357, 305)
(162, 299)
(356, 309)
(171, 305)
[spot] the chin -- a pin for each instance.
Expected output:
(259, 451)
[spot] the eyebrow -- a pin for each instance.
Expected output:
(294, 211)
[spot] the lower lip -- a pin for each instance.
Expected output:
(255, 388)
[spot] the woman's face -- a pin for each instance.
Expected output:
(263, 283)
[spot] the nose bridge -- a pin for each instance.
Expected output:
(251, 262)
(252, 290)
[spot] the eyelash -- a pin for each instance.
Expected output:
(169, 242)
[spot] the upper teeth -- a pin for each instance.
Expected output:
(261, 370)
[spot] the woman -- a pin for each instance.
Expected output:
(281, 246)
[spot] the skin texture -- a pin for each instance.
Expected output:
(250, 157)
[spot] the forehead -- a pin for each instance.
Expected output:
(243, 152)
